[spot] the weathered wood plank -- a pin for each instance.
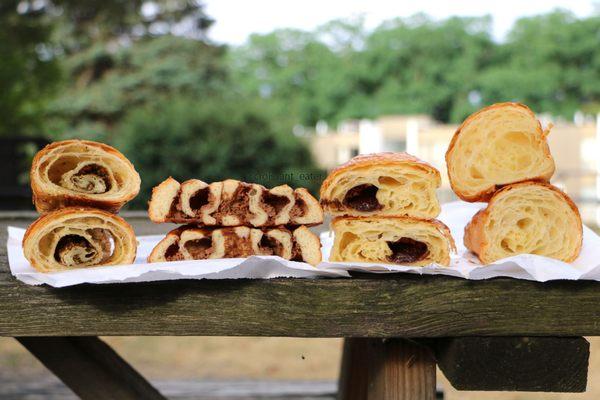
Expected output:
(400, 369)
(354, 370)
(90, 368)
(378, 306)
(403, 306)
(514, 363)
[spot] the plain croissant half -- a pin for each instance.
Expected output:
(391, 240)
(82, 173)
(395, 184)
(498, 145)
(526, 218)
(78, 238)
(232, 203)
(193, 243)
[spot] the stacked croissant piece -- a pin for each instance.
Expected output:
(231, 219)
(500, 155)
(78, 186)
(384, 207)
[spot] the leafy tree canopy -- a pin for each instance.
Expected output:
(28, 73)
(214, 139)
(445, 68)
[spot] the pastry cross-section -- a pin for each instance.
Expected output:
(498, 145)
(394, 184)
(232, 203)
(391, 240)
(526, 218)
(193, 243)
(82, 173)
(78, 238)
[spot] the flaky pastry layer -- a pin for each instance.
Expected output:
(78, 238)
(498, 145)
(391, 240)
(395, 184)
(82, 173)
(526, 218)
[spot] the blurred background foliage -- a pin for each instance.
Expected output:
(144, 76)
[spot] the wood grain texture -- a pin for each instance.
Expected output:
(538, 364)
(354, 370)
(90, 368)
(402, 305)
(400, 369)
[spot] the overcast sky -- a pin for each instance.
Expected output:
(236, 20)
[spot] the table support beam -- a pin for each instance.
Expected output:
(91, 368)
(354, 370)
(386, 369)
(540, 364)
(400, 369)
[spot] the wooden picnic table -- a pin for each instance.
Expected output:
(498, 334)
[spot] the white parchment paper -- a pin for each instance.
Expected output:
(456, 215)
(464, 264)
(256, 267)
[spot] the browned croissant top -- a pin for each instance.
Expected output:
(82, 173)
(384, 158)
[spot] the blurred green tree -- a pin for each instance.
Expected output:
(418, 65)
(410, 65)
(150, 71)
(551, 62)
(28, 72)
(122, 55)
(213, 139)
(302, 77)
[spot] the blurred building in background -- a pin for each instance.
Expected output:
(575, 146)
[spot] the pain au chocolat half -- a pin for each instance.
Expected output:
(192, 243)
(78, 238)
(392, 184)
(498, 145)
(391, 240)
(82, 173)
(526, 218)
(232, 203)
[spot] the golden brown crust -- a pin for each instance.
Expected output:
(476, 239)
(384, 158)
(45, 201)
(65, 222)
(382, 184)
(485, 195)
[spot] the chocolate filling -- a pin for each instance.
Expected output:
(406, 250)
(296, 253)
(300, 208)
(199, 199)
(67, 243)
(236, 246)
(175, 209)
(274, 203)
(172, 253)
(236, 205)
(199, 249)
(270, 246)
(80, 181)
(362, 198)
